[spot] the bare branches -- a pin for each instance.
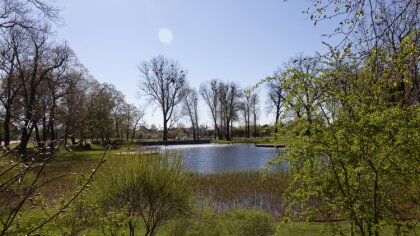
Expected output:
(164, 82)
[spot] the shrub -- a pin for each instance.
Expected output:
(205, 222)
(154, 188)
(235, 222)
(250, 222)
(96, 142)
(118, 141)
(79, 217)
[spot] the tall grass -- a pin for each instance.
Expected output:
(241, 189)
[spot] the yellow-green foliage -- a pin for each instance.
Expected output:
(354, 148)
(153, 187)
(240, 222)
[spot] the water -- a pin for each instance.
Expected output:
(211, 158)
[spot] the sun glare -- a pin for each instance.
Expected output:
(165, 36)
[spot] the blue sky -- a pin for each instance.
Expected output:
(231, 40)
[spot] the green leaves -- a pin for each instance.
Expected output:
(353, 145)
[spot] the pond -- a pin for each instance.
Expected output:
(209, 158)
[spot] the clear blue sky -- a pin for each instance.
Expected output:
(242, 41)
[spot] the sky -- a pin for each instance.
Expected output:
(231, 40)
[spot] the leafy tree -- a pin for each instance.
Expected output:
(354, 151)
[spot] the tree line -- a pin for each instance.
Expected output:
(164, 82)
(45, 92)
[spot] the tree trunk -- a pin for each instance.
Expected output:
(255, 124)
(116, 127)
(38, 137)
(24, 140)
(228, 131)
(6, 125)
(216, 129)
(165, 129)
(131, 226)
(134, 130)
(276, 124)
(52, 134)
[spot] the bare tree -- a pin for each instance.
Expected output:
(131, 116)
(245, 107)
(163, 80)
(10, 85)
(210, 93)
(119, 108)
(275, 98)
(191, 108)
(254, 110)
(26, 13)
(229, 94)
(34, 66)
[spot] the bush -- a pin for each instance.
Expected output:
(250, 222)
(96, 142)
(154, 188)
(206, 222)
(118, 141)
(79, 217)
(235, 222)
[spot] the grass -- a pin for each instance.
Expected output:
(218, 191)
(215, 224)
(241, 189)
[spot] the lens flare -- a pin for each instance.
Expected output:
(165, 36)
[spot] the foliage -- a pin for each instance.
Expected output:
(250, 222)
(153, 188)
(353, 147)
(233, 222)
(79, 217)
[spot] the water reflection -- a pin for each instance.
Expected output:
(225, 157)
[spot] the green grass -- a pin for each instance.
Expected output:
(220, 191)
(213, 224)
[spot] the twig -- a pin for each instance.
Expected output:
(86, 185)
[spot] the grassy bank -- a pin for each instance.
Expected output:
(225, 203)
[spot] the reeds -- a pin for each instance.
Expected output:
(241, 189)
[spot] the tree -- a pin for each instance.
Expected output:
(370, 26)
(245, 107)
(26, 13)
(191, 107)
(229, 94)
(119, 109)
(248, 106)
(276, 97)
(101, 115)
(254, 110)
(210, 93)
(10, 85)
(164, 81)
(34, 67)
(371, 22)
(76, 104)
(353, 152)
(131, 118)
